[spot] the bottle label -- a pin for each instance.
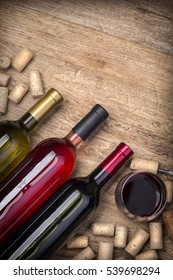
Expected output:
(15, 194)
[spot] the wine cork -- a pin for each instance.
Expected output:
(148, 255)
(78, 242)
(168, 220)
(120, 239)
(22, 59)
(169, 190)
(105, 229)
(36, 84)
(86, 254)
(144, 165)
(137, 242)
(3, 100)
(4, 79)
(156, 239)
(18, 93)
(4, 62)
(105, 251)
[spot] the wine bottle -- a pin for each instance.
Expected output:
(66, 211)
(41, 173)
(15, 135)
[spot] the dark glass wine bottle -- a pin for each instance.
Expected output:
(66, 211)
(15, 135)
(41, 173)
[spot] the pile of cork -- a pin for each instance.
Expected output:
(119, 233)
(19, 62)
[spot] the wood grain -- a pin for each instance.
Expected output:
(116, 53)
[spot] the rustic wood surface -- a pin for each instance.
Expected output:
(116, 53)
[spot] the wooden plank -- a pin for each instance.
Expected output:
(146, 22)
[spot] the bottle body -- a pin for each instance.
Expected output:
(38, 176)
(57, 221)
(14, 146)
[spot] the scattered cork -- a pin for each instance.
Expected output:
(78, 242)
(18, 93)
(105, 251)
(148, 255)
(36, 84)
(144, 165)
(86, 254)
(120, 239)
(22, 59)
(4, 62)
(169, 190)
(105, 229)
(168, 220)
(137, 242)
(156, 239)
(4, 79)
(3, 100)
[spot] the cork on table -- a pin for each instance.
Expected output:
(116, 53)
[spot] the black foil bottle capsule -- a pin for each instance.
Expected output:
(71, 206)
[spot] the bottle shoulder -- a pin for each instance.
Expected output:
(81, 185)
(12, 127)
(70, 197)
(58, 145)
(12, 135)
(10, 123)
(14, 146)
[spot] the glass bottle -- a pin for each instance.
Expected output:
(41, 173)
(66, 211)
(15, 135)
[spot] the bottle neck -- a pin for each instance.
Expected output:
(74, 139)
(99, 176)
(41, 109)
(110, 165)
(28, 122)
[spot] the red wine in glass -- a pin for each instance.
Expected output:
(141, 195)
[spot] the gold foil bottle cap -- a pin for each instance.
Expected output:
(46, 104)
(55, 95)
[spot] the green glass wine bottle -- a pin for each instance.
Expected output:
(15, 135)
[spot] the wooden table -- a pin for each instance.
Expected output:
(116, 53)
